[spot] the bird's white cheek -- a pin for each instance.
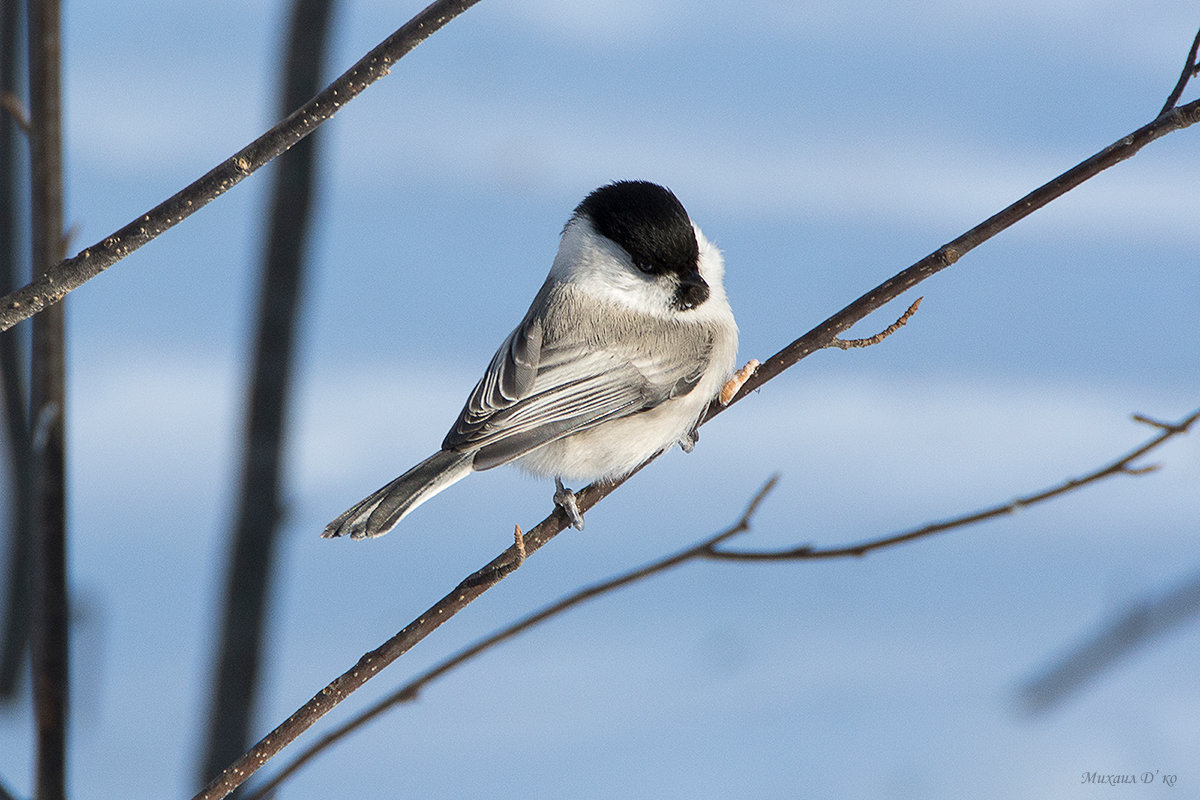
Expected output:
(631, 293)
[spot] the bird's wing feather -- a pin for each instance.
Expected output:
(537, 390)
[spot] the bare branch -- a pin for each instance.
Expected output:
(70, 274)
(846, 344)
(1122, 466)
(821, 336)
(412, 689)
(469, 589)
(1153, 423)
(1190, 68)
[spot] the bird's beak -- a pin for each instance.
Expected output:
(692, 291)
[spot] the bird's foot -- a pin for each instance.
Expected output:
(564, 498)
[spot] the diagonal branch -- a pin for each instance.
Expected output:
(70, 274)
(1122, 466)
(1190, 69)
(821, 336)
(412, 689)
(5, 793)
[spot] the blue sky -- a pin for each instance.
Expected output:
(823, 147)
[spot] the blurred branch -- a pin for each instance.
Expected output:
(251, 560)
(1122, 466)
(5, 793)
(1137, 626)
(820, 337)
(48, 289)
(10, 101)
(410, 690)
(706, 549)
(13, 397)
(49, 630)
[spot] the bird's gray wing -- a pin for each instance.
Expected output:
(536, 391)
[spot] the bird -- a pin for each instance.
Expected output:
(620, 353)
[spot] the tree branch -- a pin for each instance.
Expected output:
(371, 663)
(821, 336)
(1122, 466)
(818, 338)
(1190, 69)
(70, 274)
(847, 344)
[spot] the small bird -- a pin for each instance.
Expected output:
(619, 355)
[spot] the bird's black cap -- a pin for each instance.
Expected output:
(649, 222)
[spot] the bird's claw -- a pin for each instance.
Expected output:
(564, 498)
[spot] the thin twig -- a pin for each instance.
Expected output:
(70, 274)
(846, 344)
(1122, 466)
(1190, 69)
(1154, 423)
(412, 689)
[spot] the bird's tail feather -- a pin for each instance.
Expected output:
(380, 511)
